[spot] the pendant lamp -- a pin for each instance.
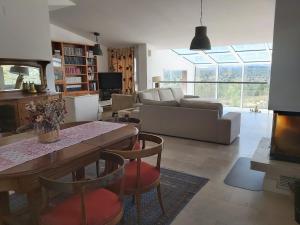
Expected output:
(200, 41)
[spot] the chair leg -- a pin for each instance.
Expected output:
(160, 199)
(138, 207)
(97, 168)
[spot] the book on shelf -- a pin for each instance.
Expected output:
(74, 87)
(73, 80)
(93, 86)
(59, 88)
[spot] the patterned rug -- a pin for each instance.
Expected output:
(177, 190)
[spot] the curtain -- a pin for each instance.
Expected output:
(122, 60)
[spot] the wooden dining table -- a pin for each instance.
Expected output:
(23, 178)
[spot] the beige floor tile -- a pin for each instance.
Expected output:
(217, 203)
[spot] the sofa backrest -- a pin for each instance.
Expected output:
(195, 103)
(161, 94)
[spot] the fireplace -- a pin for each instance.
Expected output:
(285, 143)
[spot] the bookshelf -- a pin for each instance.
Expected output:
(75, 68)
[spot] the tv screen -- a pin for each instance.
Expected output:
(110, 81)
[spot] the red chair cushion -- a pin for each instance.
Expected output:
(137, 146)
(149, 174)
(101, 207)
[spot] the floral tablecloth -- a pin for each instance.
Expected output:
(29, 149)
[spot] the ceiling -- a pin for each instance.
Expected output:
(169, 23)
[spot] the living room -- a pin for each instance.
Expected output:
(149, 112)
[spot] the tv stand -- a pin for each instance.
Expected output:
(105, 94)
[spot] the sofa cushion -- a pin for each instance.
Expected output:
(200, 104)
(177, 93)
(151, 94)
(165, 94)
(161, 103)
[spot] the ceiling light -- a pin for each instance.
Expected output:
(200, 41)
(97, 49)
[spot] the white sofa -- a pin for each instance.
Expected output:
(167, 111)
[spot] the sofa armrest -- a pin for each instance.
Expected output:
(122, 101)
(229, 127)
(191, 96)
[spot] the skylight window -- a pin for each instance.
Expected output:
(255, 56)
(197, 59)
(218, 49)
(224, 57)
(184, 51)
(250, 47)
(248, 53)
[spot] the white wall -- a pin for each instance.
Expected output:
(24, 29)
(141, 67)
(285, 74)
(165, 59)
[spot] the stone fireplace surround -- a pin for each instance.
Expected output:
(279, 157)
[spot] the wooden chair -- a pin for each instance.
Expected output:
(90, 203)
(141, 177)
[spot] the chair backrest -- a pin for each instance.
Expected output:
(155, 148)
(80, 186)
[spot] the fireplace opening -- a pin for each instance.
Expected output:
(285, 143)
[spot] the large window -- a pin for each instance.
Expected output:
(175, 75)
(230, 94)
(256, 94)
(205, 73)
(236, 75)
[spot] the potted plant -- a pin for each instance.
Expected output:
(46, 118)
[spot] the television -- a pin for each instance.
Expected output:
(109, 81)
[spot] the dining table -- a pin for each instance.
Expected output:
(23, 159)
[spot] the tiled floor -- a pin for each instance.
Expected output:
(217, 203)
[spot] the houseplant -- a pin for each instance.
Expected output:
(46, 118)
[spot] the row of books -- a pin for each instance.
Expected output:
(74, 87)
(73, 51)
(73, 70)
(73, 80)
(75, 60)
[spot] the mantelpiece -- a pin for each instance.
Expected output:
(13, 102)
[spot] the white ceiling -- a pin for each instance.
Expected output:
(169, 23)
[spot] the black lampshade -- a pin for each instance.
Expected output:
(200, 41)
(97, 50)
(19, 70)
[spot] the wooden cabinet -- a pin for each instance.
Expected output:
(16, 101)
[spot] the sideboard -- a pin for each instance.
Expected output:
(12, 107)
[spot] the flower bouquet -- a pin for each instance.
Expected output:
(46, 118)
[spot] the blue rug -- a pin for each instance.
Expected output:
(177, 190)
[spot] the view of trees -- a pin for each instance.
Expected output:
(9, 79)
(236, 95)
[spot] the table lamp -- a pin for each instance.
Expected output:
(21, 71)
(156, 80)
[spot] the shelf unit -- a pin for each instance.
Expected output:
(75, 68)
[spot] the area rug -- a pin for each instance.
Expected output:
(177, 190)
(242, 176)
